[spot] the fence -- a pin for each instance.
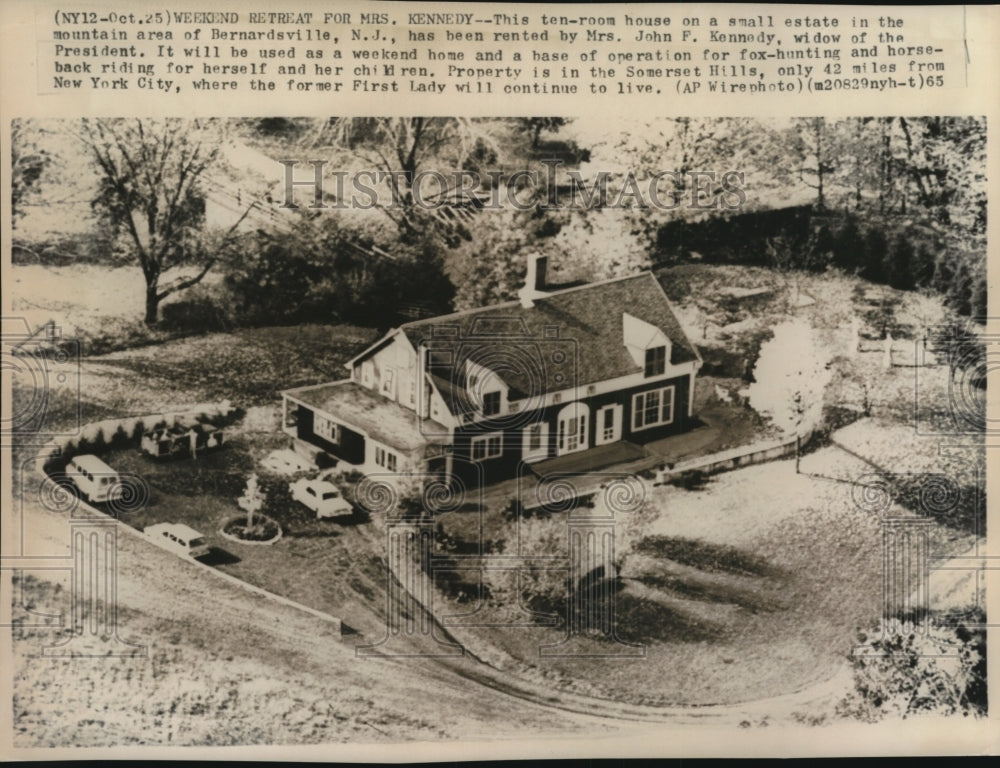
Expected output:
(743, 456)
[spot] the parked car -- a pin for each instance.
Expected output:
(179, 538)
(95, 480)
(321, 496)
(285, 462)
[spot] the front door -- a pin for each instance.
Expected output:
(609, 425)
(572, 429)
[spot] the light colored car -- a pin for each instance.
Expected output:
(285, 462)
(93, 478)
(178, 538)
(321, 496)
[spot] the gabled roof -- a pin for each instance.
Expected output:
(572, 337)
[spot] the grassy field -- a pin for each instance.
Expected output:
(248, 367)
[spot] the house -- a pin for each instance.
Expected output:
(474, 395)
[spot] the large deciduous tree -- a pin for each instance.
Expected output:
(28, 161)
(416, 160)
(150, 192)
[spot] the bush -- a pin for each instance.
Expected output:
(198, 310)
(324, 273)
(690, 480)
(942, 672)
(121, 438)
(263, 529)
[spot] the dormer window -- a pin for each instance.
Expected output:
(656, 361)
(491, 403)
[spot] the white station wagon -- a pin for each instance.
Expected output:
(179, 538)
(321, 496)
(95, 480)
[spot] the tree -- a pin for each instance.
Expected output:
(849, 245)
(790, 378)
(252, 500)
(899, 266)
(149, 192)
(535, 125)
(876, 247)
(814, 147)
(324, 271)
(28, 161)
(400, 149)
(688, 158)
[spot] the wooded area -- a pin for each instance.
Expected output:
(899, 200)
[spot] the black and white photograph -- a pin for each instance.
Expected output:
(388, 429)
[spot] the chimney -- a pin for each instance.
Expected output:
(534, 281)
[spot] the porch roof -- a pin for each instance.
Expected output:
(378, 417)
(590, 460)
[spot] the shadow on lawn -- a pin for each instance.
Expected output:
(640, 620)
(706, 556)
(955, 502)
(218, 556)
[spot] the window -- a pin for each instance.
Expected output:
(487, 446)
(656, 361)
(385, 459)
(557, 397)
(473, 380)
(572, 432)
(387, 378)
(491, 403)
(652, 408)
(609, 423)
(534, 437)
(328, 430)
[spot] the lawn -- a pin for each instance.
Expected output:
(332, 565)
(754, 586)
(249, 367)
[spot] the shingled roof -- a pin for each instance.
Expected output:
(566, 338)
